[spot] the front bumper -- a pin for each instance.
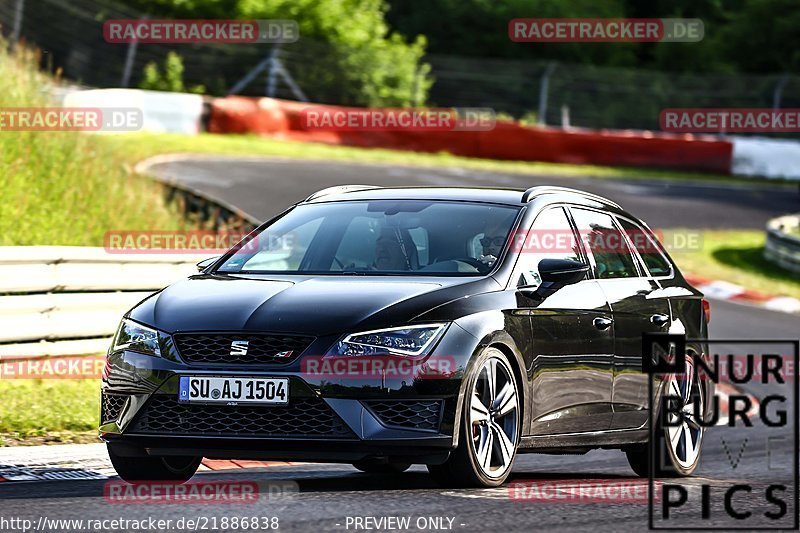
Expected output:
(331, 420)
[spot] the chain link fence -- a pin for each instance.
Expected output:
(70, 35)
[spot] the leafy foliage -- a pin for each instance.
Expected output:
(170, 80)
(346, 51)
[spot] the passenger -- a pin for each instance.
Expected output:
(395, 251)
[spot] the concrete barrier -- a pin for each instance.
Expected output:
(163, 112)
(771, 158)
(782, 246)
(507, 141)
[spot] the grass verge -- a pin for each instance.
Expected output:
(142, 145)
(737, 256)
(65, 188)
(48, 411)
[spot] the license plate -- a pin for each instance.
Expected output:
(233, 391)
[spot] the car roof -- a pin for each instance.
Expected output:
(496, 195)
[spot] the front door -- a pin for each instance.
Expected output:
(572, 335)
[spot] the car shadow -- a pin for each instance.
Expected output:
(307, 480)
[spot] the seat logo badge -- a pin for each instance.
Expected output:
(287, 353)
(239, 347)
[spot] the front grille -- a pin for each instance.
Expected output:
(414, 414)
(303, 417)
(210, 348)
(111, 405)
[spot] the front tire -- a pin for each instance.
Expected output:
(490, 427)
(141, 469)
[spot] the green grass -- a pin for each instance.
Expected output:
(54, 408)
(142, 145)
(65, 188)
(737, 256)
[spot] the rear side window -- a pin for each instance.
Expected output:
(612, 255)
(647, 246)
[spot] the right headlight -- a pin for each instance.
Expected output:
(412, 341)
(137, 338)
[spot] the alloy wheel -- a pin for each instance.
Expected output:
(494, 417)
(684, 432)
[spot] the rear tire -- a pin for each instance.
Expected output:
(372, 467)
(135, 470)
(678, 448)
(490, 427)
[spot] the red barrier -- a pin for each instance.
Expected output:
(507, 141)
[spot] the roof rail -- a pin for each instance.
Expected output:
(340, 189)
(528, 195)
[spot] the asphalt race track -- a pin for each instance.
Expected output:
(263, 187)
(330, 497)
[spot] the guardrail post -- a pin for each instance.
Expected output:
(544, 87)
(19, 9)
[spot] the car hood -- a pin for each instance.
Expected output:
(307, 305)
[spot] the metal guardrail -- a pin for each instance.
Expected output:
(783, 242)
(66, 300)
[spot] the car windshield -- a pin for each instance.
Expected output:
(382, 237)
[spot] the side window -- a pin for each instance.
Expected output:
(612, 255)
(648, 247)
(550, 237)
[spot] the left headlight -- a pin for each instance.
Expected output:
(136, 337)
(405, 341)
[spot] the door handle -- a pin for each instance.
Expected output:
(659, 320)
(602, 322)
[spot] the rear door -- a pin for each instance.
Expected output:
(638, 305)
(571, 369)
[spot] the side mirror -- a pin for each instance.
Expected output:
(555, 274)
(205, 263)
(562, 272)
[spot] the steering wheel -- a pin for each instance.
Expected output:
(471, 261)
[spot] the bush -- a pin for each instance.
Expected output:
(170, 80)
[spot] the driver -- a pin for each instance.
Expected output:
(492, 242)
